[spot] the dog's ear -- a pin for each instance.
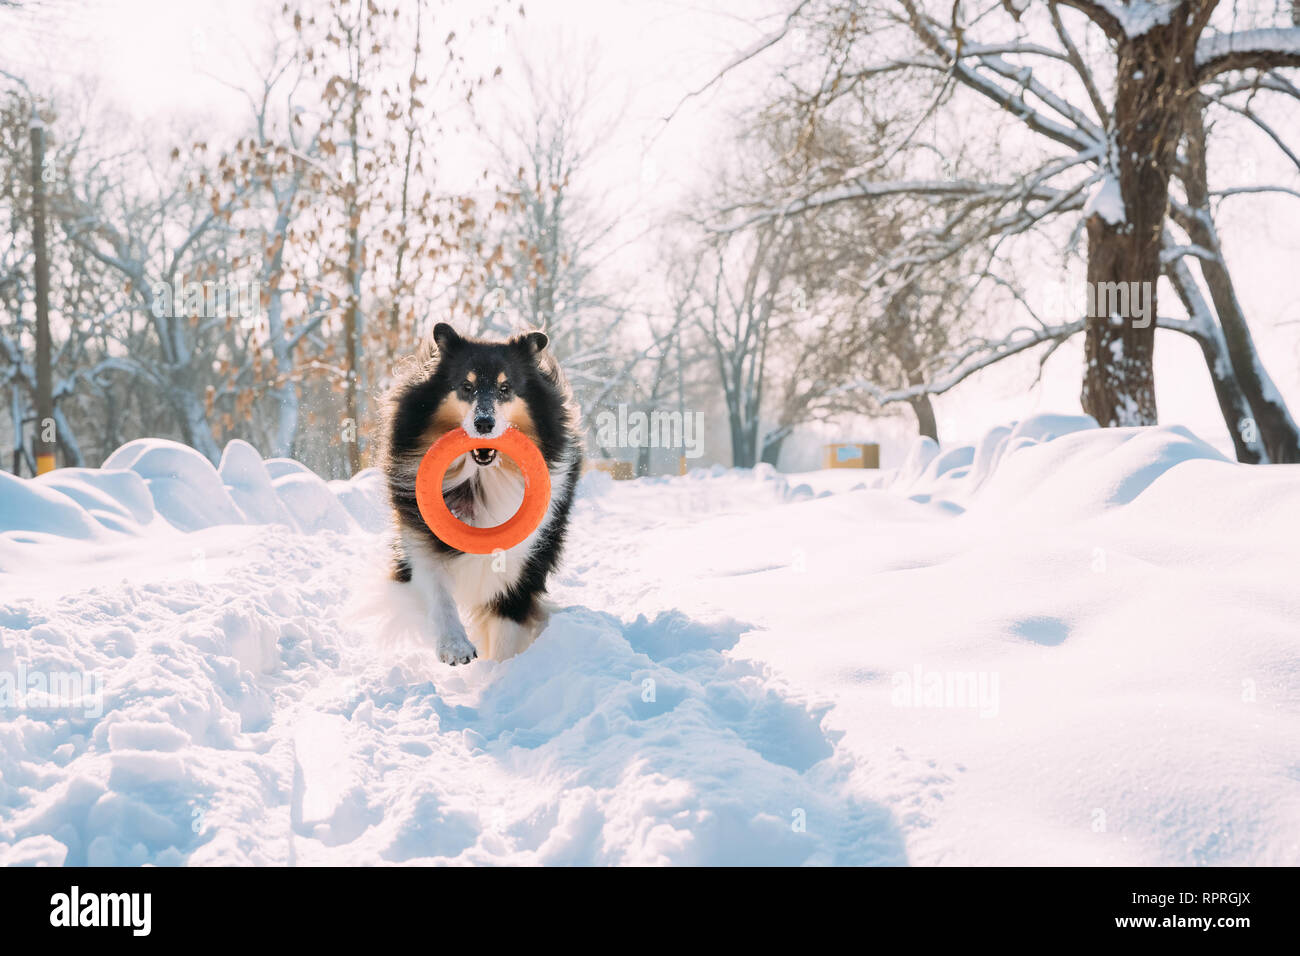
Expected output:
(532, 343)
(445, 337)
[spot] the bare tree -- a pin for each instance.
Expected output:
(555, 231)
(327, 205)
(745, 274)
(1120, 137)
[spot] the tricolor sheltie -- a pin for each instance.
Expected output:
(482, 387)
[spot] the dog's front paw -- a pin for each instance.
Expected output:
(456, 650)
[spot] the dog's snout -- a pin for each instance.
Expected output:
(483, 424)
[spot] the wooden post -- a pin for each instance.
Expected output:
(43, 441)
(352, 322)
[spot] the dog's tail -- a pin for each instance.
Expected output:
(390, 612)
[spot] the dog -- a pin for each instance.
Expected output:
(483, 387)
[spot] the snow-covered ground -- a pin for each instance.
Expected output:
(1064, 645)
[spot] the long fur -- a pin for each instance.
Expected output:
(483, 387)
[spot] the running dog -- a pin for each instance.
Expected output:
(483, 387)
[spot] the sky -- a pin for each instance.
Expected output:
(155, 60)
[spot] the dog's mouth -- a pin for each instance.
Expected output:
(460, 501)
(484, 456)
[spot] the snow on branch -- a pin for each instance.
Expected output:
(931, 34)
(1272, 82)
(1106, 201)
(977, 355)
(1245, 49)
(1170, 253)
(1240, 190)
(1119, 18)
(851, 191)
(1024, 78)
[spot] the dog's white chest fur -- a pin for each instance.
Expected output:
(476, 579)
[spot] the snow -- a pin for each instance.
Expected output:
(186, 490)
(1281, 40)
(1061, 644)
(1106, 201)
(248, 482)
(33, 507)
(1138, 17)
(312, 503)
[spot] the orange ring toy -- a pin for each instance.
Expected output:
(450, 529)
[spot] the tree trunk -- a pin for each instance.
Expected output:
(1201, 326)
(352, 323)
(772, 450)
(1268, 412)
(742, 451)
(194, 425)
(16, 419)
(285, 394)
(925, 420)
(1118, 378)
(1156, 75)
(68, 444)
(286, 420)
(1232, 403)
(43, 443)
(922, 407)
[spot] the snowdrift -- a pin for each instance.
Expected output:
(152, 484)
(1062, 644)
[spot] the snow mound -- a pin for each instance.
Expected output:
(152, 478)
(312, 503)
(279, 467)
(186, 489)
(365, 496)
(248, 482)
(1047, 466)
(119, 500)
(29, 506)
(924, 450)
(1084, 473)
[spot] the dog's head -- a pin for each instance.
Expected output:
(486, 387)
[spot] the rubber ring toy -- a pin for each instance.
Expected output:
(450, 529)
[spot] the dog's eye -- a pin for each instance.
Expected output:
(467, 389)
(504, 390)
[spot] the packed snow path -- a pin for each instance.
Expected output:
(1064, 645)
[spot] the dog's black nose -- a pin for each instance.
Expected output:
(483, 423)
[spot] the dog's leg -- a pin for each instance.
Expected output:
(502, 638)
(506, 638)
(454, 646)
(429, 575)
